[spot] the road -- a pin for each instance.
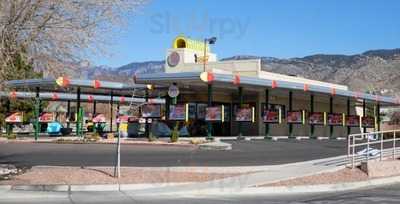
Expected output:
(244, 153)
(387, 194)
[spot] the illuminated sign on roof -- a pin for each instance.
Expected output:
(183, 42)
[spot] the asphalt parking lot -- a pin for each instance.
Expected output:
(244, 153)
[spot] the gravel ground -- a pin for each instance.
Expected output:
(76, 175)
(341, 176)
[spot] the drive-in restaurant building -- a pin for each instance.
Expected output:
(229, 97)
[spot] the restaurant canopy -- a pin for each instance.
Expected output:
(90, 87)
(196, 81)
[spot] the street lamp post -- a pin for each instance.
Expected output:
(210, 41)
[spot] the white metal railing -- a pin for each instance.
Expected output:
(364, 141)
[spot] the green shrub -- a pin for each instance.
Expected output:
(92, 137)
(152, 137)
(175, 133)
(12, 136)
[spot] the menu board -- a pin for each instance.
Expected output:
(151, 111)
(271, 116)
(46, 117)
(192, 110)
(214, 113)
(335, 119)
(353, 120)
(244, 114)
(99, 118)
(368, 121)
(227, 113)
(316, 118)
(177, 112)
(133, 119)
(201, 110)
(15, 118)
(122, 118)
(295, 117)
(276, 107)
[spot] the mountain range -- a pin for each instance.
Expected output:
(376, 71)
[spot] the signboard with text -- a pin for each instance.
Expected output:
(271, 116)
(214, 113)
(16, 117)
(201, 110)
(294, 117)
(316, 118)
(353, 120)
(99, 118)
(244, 114)
(151, 111)
(46, 117)
(177, 112)
(368, 121)
(335, 119)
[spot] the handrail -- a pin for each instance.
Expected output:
(353, 138)
(364, 133)
(376, 142)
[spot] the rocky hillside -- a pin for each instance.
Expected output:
(375, 70)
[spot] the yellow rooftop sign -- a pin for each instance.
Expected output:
(183, 42)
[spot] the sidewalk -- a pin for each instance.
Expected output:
(270, 174)
(196, 178)
(275, 179)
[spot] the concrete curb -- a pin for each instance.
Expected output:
(292, 189)
(98, 188)
(88, 188)
(5, 187)
(130, 187)
(326, 187)
(320, 188)
(106, 143)
(215, 146)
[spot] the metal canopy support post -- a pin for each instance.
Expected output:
(210, 100)
(330, 111)
(117, 117)
(78, 116)
(167, 106)
(240, 89)
(146, 128)
(8, 109)
(111, 110)
(37, 112)
(378, 116)
(266, 108)
(94, 108)
(312, 127)
(290, 109)
(117, 168)
(68, 112)
(364, 114)
(231, 121)
(348, 113)
(8, 106)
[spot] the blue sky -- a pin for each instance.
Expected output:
(280, 28)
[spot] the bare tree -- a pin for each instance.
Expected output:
(57, 35)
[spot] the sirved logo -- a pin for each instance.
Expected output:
(173, 59)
